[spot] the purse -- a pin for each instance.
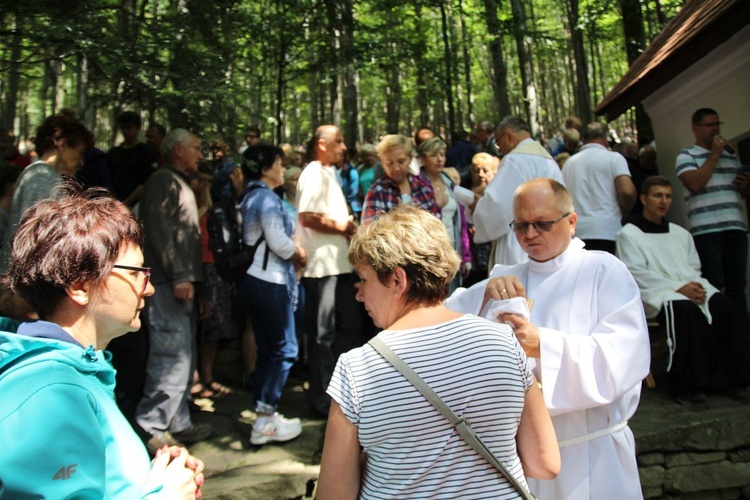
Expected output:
(462, 425)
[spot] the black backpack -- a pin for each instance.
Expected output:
(232, 256)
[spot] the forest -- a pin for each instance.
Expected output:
(369, 66)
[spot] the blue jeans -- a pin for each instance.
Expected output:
(273, 326)
(723, 257)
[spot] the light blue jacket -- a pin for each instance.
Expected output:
(61, 432)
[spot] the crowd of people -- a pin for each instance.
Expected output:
(514, 277)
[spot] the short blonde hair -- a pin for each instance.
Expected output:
(484, 159)
(414, 240)
(431, 147)
(394, 141)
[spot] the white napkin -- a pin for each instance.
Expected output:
(516, 305)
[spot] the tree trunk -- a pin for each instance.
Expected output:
(14, 77)
(524, 64)
(635, 42)
(82, 82)
(419, 67)
(499, 72)
(467, 68)
(448, 60)
(393, 95)
(348, 75)
(582, 93)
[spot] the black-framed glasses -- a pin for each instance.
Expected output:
(145, 270)
(540, 226)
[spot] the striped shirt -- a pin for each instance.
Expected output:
(479, 370)
(718, 206)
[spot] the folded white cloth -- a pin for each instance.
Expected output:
(516, 305)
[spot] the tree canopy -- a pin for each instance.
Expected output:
(370, 66)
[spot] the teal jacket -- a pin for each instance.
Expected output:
(61, 432)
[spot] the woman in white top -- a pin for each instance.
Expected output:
(432, 156)
(269, 289)
(409, 450)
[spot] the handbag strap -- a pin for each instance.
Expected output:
(462, 425)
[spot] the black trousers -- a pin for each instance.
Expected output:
(708, 356)
(334, 324)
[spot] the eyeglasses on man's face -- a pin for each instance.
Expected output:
(146, 274)
(540, 226)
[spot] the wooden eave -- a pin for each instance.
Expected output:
(699, 27)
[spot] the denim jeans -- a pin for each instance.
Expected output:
(273, 324)
(723, 257)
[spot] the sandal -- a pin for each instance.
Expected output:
(218, 390)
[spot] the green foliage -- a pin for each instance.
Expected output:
(217, 66)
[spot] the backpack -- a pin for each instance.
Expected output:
(232, 256)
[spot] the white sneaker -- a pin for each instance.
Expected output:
(277, 428)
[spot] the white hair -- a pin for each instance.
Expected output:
(175, 136)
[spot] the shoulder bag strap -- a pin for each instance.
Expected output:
(462, 425)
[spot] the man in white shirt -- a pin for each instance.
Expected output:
(586, 338)
(523, 159)
(707, 336)
(602, 190)
(332, 313)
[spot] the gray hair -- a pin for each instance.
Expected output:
(174, 137)
(595, 130)
(514, 124)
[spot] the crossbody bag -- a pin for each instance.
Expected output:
(462, 425)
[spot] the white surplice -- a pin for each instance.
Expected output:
(594, 354)
(661, 264)
(494, 211)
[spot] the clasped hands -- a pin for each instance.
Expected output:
(508, 287)
(179, 473)
(694, 291)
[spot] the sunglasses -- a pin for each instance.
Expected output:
(146, 274)
(541, 226)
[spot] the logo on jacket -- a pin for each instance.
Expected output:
(65, 472)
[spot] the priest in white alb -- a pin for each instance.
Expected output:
(586, 338)
(707, 334)
(524, 159)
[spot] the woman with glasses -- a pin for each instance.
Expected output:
(77, 259)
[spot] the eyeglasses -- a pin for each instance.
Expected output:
(712, 124)
(146, 274)
(540, 226)
(251, 137)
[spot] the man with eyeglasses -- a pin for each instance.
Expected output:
(523, 159)
(714, 185)
(586, 339)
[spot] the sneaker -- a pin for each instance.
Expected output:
(193, 434)
(276, 429)
(159, 441)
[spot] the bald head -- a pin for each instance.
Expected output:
(546, 188)
(544, 220)
(327, 145)
(422, 135)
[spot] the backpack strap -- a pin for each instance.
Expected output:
(254, 247)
